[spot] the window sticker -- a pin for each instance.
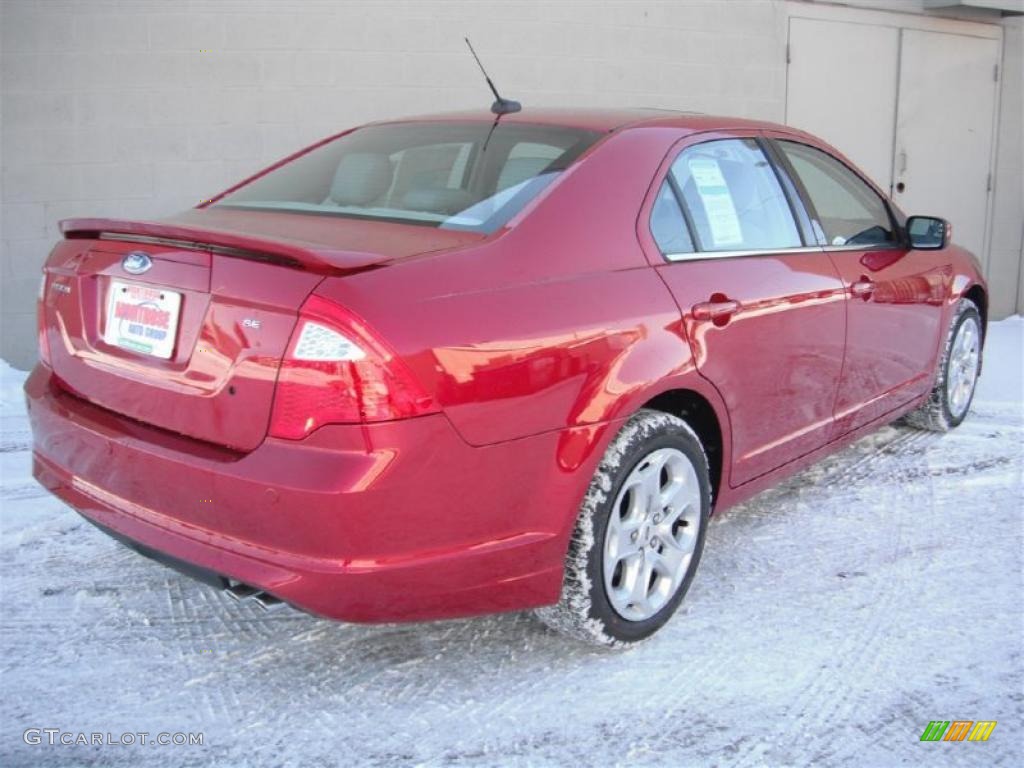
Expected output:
(714, 194)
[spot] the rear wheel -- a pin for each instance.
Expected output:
(639, 535)
(957, 375)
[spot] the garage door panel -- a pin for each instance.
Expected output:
(944, 125)
(841, 86)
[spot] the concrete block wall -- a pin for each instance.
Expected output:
(141, 108)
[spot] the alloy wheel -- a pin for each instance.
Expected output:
(962, 368)
(652, 534)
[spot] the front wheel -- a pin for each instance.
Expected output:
(639, 534)
(957, 374)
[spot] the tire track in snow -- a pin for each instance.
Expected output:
(823, 708)
(816, 706)
(22, 491)
(861, 461)
(903, 461)
(874, 450)
(718, 684)
(15, 436)
(202, 616)
(189, 644)
(907, 582)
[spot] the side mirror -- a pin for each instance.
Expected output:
(928, 233)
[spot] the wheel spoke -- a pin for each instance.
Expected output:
(685, 494)
(639, 579)
(670, 558)
(676, 473)
(969, 337)
(622, 538)
(684, 537)
(627, 566)
(651, 480)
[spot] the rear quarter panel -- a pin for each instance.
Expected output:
(557, 322)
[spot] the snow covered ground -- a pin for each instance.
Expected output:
(832, 618)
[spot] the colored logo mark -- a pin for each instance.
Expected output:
(958, 730)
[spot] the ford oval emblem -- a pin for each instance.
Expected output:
(136, 262)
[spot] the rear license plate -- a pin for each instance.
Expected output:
(142, 318)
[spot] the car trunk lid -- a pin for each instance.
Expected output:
(193, 343)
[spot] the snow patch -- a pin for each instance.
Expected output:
(832, 618)
(11, 382)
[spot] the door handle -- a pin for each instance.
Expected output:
(863, 288)
(901, 170)
(715, 310)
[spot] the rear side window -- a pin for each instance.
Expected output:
(469, 175)
(668, 225)
(850, 211)
(734, 198)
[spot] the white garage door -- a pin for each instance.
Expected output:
(842, 87)
(914, 109)
(944, 120)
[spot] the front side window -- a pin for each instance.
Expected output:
(850, 211)
(471, 175)
(734, 198)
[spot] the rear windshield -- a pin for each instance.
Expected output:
(469, 176)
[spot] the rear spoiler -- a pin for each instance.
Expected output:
(294, 253)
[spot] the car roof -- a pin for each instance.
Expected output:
(603, 120)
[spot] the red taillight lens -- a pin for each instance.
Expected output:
(337, 371)
(44, 343)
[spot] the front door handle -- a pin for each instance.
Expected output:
(715, 310)
(863, 288)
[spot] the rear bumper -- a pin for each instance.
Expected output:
(393, 522)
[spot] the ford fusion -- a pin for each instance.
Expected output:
(462, 364)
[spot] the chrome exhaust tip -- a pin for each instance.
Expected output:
(267, 601)
(241, 591)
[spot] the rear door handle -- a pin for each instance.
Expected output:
(863, 288)
(715, 310)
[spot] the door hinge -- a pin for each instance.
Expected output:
(789, 57)
(988, 183)
(995, 73)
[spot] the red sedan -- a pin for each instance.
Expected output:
(457, 364)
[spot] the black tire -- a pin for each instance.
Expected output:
(584, 610)
(935, 414)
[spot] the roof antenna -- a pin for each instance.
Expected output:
(500, 106)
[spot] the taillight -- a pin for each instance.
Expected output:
(338, 371)
(44, 343)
